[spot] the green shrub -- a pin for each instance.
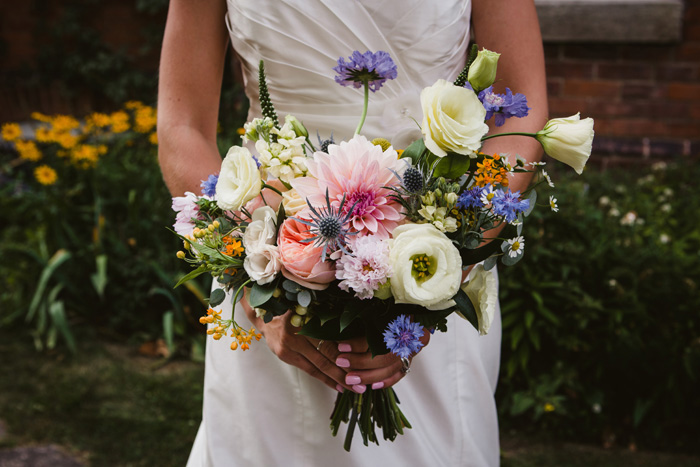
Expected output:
(600, 319)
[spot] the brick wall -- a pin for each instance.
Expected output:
(645, 98)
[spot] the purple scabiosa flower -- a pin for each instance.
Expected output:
(471, 198)
(509, 204)
(209, 185)
(503, 105)
(372, 68)
(402, 336)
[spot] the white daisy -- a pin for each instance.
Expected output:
(487, 195)
(548, 178)
(517, 246)
(553, 204)
(534, 164)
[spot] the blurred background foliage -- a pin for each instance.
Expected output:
(601, 331)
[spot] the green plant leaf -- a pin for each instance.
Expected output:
(58, 317)
(351, 312)
(168, 331)
(452, 166)
(414, 151)
(260, 294)
(99, 278)
(466, 308)
(191, 275)
(217, 297)
(60, 257)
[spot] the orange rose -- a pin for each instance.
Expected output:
(302, 261)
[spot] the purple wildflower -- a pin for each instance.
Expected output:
(470, 198)
(371, 68)
(509, 204)
(402, 336)
(503, 105)
(209, 185)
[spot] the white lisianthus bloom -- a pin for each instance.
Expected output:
(427, 267)
(482, 73)
(261, 230)
(483, 293)
(263, 264)
(568, 140)
(292, 202)
(453, 119)
(239, 179)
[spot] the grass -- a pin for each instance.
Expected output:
(110, 406)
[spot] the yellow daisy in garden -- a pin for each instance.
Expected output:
(131, 105)
(66, 140)
(85, 156)
(64, 123)
(120, 121)
(40, 117)
(27, 150)
(45, 175)
(153, 138)
(144, 119)
(11, 131)
(97, 120)
(44, 135)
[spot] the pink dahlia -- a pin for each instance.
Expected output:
(366, 269)
(360, 171)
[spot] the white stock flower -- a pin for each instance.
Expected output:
(239, 179)
(427, 267)
(439, 218)
(284, 159)
(483, 293)
(453, 119)
(568, 140)
(263, 264)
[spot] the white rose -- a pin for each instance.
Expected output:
(483, 293)
(427, 267)
(453, 119)
(261, 231)
(263, 264)
(292, 202)
(239, 179)
(568, 140)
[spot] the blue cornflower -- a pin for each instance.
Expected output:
(402, 336)
(503, 105)
(509, 204)
(368, 67)
(209, 185)
(471, 198)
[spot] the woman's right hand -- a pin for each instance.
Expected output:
(294, 349)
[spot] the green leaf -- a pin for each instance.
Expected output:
(99, 278)
(304, 298)
(480, 254)
(529, 318)
(217, 297)
(58, 316)
(168, 332)
(466, 308)
(515, 336)
(56, 260)
(191, 275)
(490, 262)
(414, 151)
(452, 166)
(260, 294)
(351, 312)
(533, 199)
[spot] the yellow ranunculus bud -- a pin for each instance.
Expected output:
(482, 72)
(181, 254)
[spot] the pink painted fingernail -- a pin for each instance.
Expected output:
(342, 362)
(378, 385)
(352, 379)
(359, 388)
(339, 388)
(343, 347)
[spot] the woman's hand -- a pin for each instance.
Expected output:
(297, 350)
(382, 371)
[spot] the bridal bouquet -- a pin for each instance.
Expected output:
(361, 239)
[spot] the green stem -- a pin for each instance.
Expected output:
(532, 135)
(235, 297)
(265, 185)
(364, 109)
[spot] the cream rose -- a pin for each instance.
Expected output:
(292, 202)
(483, 293)
(427, 267)
(453, 119)
(263, 264)
(239, 179)
(261, 230)
(568, 140)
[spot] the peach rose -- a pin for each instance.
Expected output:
(302, 261)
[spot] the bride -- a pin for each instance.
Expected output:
(270, 406)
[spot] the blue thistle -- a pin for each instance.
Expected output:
(328, 226)
(324, 143)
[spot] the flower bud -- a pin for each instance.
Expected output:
(568, 140)
(301, 310)
(211, 228)
(296, 321)
(297, 126)
(216, 224)
(482, 72)
(451, 198)
(180, 254)
(277, 292)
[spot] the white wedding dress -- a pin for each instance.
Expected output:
(259, 411)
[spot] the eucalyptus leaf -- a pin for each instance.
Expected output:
(259, 294)
(304, 298)
(490, 262)
(533, 200)
(291, 286)
(217, 297)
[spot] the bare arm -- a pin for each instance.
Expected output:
(191, 70)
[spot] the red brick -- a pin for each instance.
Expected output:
(570, 69)
(684, 91)
(675, 72)
(554, 86)
(565, 106)
(552, 51)
(647, 53)
(689, 51)
(625, 71)
(576, 87)
(684, 130)
(672, 109)
(694, 112)
(643, 91)
(606, 108)
(591, 51)
(692, 13)
(691, 32)
(627, 128)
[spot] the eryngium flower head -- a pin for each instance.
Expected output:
(402, 337)
(328, 226)
(368, 67)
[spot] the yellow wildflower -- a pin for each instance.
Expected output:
(241, 131)
(45, 175)
(233, 247)
(28, 150)
(43, 135)
(64, 123)
(84, 156)
(131, 105)
(11, 131)
(144, 119)
(120, 121)
(97, 120)
(153, 138)
(66, 140)
(40, 117)
(549, 407)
